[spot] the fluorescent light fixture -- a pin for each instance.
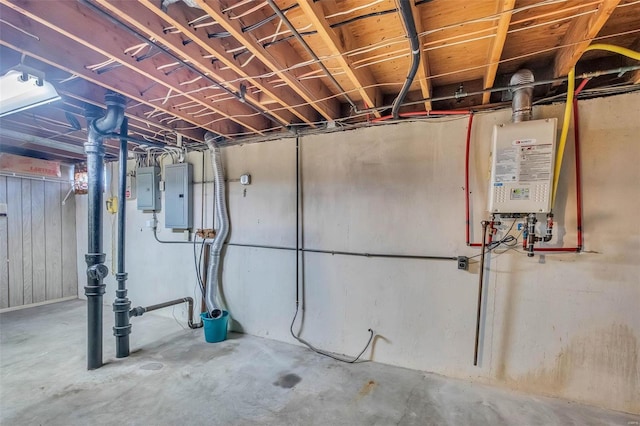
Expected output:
(23, 88)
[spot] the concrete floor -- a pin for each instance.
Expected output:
(174, 377)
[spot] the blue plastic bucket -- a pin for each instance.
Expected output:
(215, 329)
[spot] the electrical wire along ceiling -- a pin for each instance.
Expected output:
(253, 70)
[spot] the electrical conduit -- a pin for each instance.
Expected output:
(222, 220)
(407, 18)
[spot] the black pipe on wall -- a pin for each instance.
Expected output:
(139, 310)
(96, 269)
(122, 304)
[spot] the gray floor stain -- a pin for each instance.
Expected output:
(288, 381)
(152, 366)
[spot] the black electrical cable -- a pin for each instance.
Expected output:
(266, 20)
(198, 262)
(325, 353)
(155, 234)
(337, 24)
(311, 53)
(509, 240)
(297, 228)
(298, 250)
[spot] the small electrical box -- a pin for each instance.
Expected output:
(178, 196)
(245, 179)
(147, 189)
(463, 263)
(522, 167)
(130, 193)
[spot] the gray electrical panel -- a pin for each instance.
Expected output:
(178, 196)
(148, 188)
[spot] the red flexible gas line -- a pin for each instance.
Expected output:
(466, 175)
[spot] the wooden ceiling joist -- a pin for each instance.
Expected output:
(277, 58)
(362, 79)
(90, 31)
(504, 8)
(291, 102)
(61, 52)
(146, 22)
(579, 35)
(136, 114)
(424, 73)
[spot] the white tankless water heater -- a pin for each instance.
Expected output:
(523, 157)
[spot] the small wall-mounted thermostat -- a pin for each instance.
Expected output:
(245, 179)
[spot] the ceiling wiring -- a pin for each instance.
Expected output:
(356, 51)
(456, 71)
(250, 11)
(236, 5)
(346, 12)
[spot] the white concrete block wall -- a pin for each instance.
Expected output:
(559, 324)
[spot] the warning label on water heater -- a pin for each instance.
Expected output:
(523, 161)
(535, 163)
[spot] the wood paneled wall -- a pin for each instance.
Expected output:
(37, 242)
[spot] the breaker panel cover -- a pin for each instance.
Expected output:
(523, 157)
(178, 196)
(147, 188)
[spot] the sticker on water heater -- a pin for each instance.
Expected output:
(523, 142)
(519, 193)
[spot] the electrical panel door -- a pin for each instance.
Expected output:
(523, 157)
(178, 196)
(148, 188)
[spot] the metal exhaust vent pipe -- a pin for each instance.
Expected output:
(522, 96)
(222, 219)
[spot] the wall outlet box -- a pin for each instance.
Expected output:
(463, 263)
(245, 179)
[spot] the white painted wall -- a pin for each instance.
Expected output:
(560, 324)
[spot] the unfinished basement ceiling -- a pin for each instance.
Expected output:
(236, 69)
